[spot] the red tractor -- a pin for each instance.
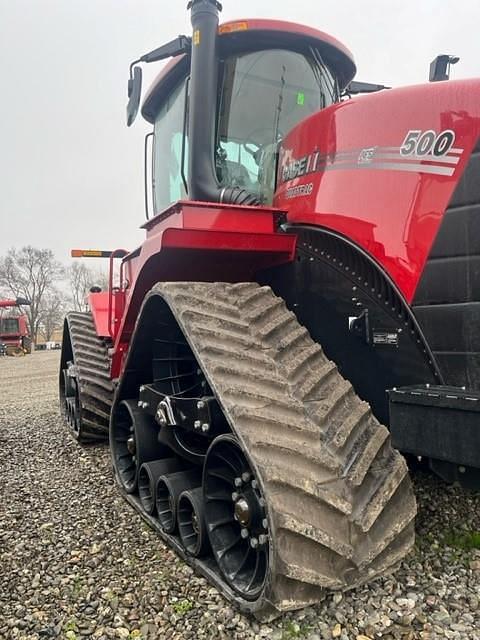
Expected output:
(14, 333)
(311, 272)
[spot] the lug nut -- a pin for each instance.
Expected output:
(205, 427)
(262, 539)
(253, 543)
(200, 404)
(161, 417)
(261, 502)
(235, 496)
(246, 476)
(238, 482)
(139, 403)
(265, 523)
(254, 484)
(197, 424)
(244, 533)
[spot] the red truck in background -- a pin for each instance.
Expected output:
(15, 337)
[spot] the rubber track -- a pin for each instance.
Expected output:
(92, 364)
(340, 502)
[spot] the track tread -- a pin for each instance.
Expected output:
(330, 450)
(91, 360)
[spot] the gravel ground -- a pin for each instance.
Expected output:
(77, 562)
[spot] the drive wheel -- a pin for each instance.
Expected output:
(236, 518)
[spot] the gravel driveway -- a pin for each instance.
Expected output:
(77, 562)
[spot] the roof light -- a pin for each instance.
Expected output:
(231, 27)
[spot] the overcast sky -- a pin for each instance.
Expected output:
(71, 173)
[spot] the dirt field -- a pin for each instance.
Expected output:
(77, 562)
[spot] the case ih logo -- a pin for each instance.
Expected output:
(420, 152)
(303, 166)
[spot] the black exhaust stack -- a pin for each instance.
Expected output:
(202, 175)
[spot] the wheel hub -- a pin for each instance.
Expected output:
(242, 511)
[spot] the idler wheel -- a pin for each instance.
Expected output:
(191, 522)
(148, 476)
(169, 488)
(236, 517)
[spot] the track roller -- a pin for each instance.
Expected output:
(236, 517)
(133, 441)
(191, 522)
(169, 488)
(148, 476)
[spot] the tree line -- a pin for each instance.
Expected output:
(51, 287)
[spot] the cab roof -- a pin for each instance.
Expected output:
(246, 34)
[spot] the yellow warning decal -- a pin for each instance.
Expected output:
(196, 37)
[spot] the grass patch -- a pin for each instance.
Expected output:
(292, 630)
(182, 607)
(71, 625)
(465, 540)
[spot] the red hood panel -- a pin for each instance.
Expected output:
(343, 169)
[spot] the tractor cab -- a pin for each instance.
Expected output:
(218, 114)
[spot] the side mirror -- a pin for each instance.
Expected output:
(440, 67)
(134, 94)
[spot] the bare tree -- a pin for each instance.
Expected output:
(30, 273)
(51, 313)
(82, 278)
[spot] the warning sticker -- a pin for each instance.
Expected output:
(385, 337)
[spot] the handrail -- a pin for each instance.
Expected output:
(116, 253)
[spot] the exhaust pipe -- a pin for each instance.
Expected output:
(202, 175)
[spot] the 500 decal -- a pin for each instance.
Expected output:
(422, 143)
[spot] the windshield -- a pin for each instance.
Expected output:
(264, 95)
(8, 325)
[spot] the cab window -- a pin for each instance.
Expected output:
(168, 185)
(264, 95)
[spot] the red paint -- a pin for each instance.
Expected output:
(282, 26)
(99, 306)
(191, 241)
(394, 215)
